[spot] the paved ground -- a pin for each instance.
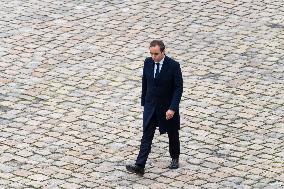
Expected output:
(70, 114)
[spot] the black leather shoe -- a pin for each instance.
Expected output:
(135, 169)
(174, 164)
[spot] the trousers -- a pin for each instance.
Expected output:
(146, 142)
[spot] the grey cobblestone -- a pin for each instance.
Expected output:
(70, 72)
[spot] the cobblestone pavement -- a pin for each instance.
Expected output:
(70, 84)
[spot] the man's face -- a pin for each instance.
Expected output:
(156, 53)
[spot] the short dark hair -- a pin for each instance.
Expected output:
(160, 43)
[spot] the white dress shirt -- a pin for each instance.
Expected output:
(160, 67)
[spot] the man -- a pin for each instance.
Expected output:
(162, 87)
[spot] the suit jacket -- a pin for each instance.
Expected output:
(162, 93)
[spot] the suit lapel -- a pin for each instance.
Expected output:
(164, 68)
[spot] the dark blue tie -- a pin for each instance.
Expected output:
(157, 70)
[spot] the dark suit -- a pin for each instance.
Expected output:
(158, 96)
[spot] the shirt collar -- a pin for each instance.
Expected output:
(161, 62)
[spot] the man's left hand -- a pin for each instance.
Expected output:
(170, 114)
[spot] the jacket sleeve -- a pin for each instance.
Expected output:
(178, 88)
(144, 86)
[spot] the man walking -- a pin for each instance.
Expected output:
(162, 87)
